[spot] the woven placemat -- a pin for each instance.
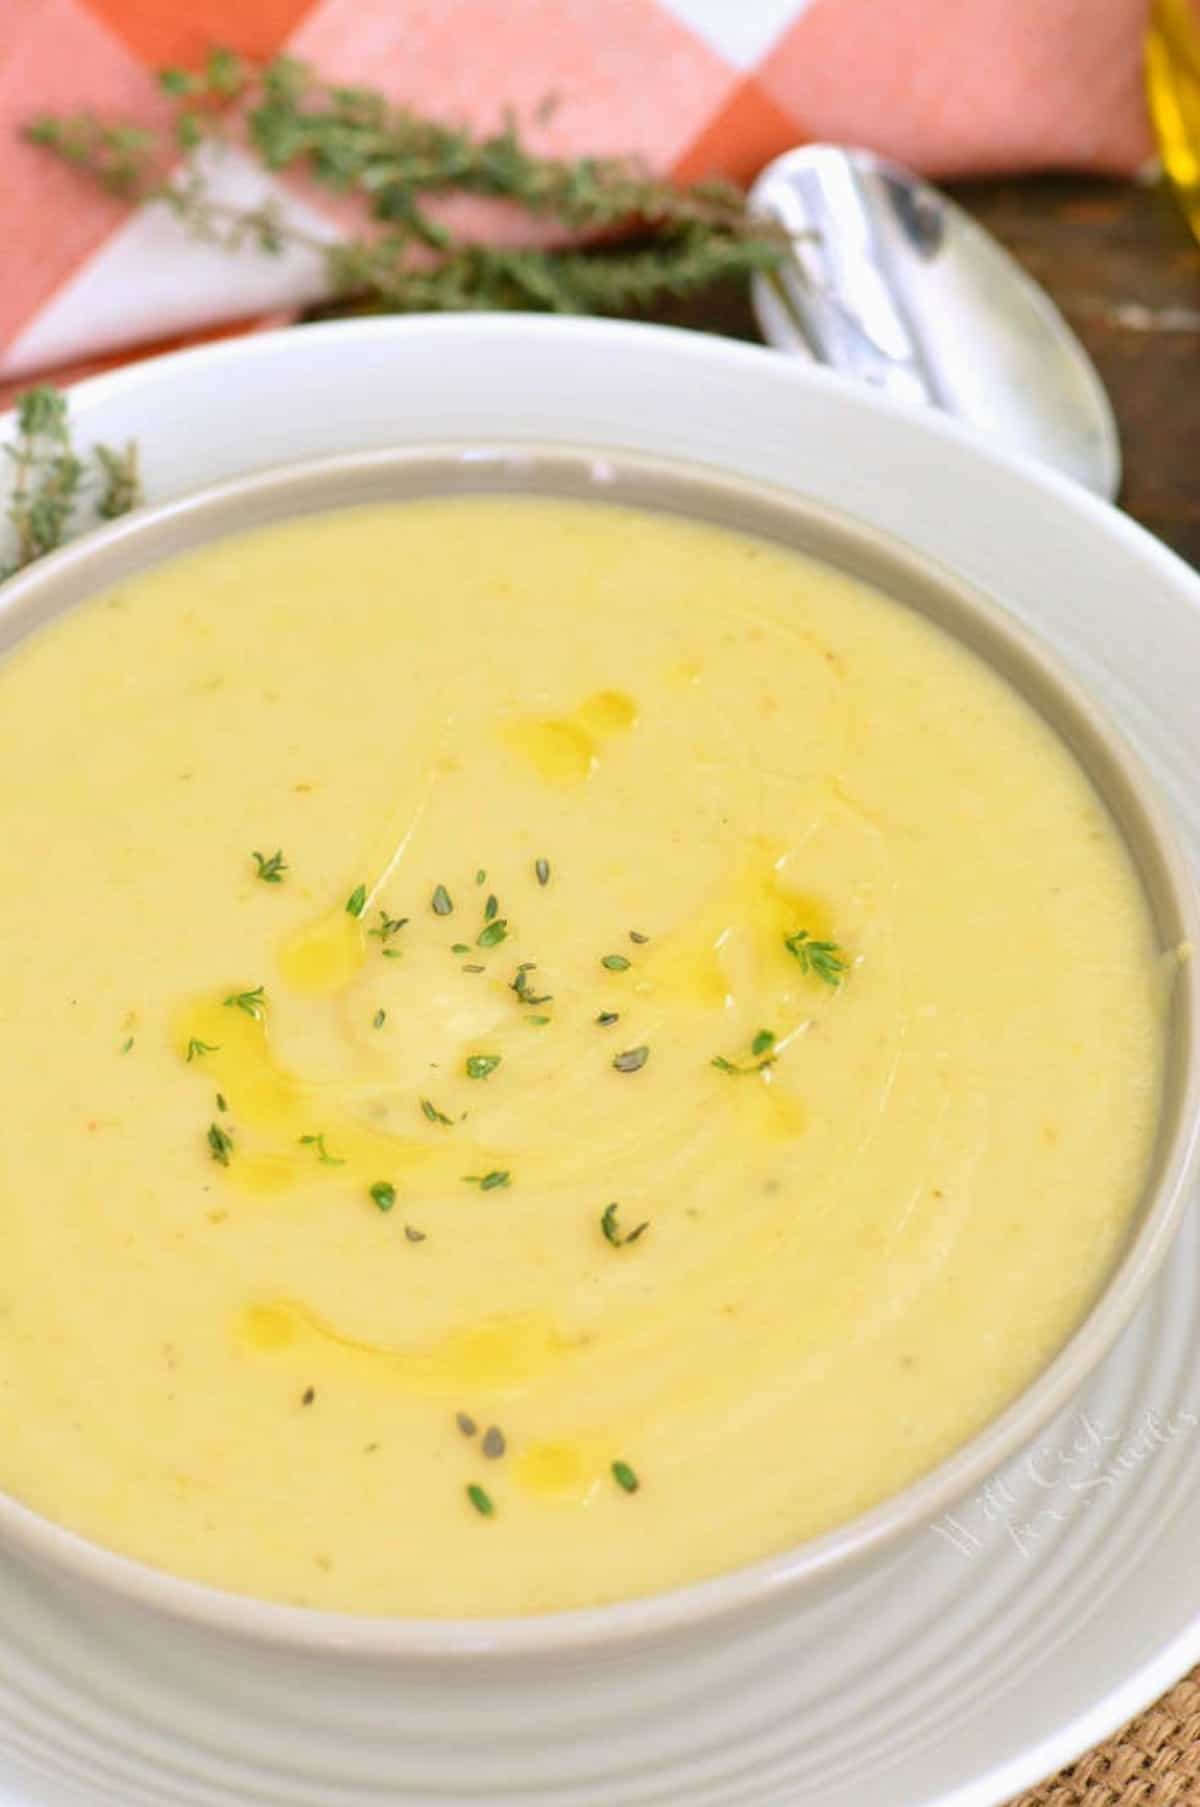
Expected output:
(1154, 1762)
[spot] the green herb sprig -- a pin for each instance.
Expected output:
(50, 478)
(762, 1050)
(317, 1144)
(612, 1231)
(520, 984)
(220, 1144)
(482, 1500)
(253, 1003)
(625, 1477)
(824, 960)
(388, 926)
(649, 238)
(270, 870)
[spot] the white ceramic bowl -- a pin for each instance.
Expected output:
(525, 1710)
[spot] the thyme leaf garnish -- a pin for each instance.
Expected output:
(612, 1231)
(270, 870)
(252, 1002)
(220, 1144)
(317, 1144)
(388, 926)
(762, 1047)
(825, 960)
(481, 1500)
(520, 984)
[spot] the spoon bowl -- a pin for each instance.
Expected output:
(892, 282)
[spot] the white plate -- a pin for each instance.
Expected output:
(984, 1653)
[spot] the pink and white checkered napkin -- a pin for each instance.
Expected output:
(695, 86)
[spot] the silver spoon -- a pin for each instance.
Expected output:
(892, 282)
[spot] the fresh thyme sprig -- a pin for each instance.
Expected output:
(520, 984)
(762, 1050)
(825, 960)
(50, 478)
(317, 1144)
(121, 480)
(648, 238)
(488, 1182)
(220, 1144)
(612, 1231)
(253, 1003)
(270, 868)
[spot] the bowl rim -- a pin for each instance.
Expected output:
(777, 1577)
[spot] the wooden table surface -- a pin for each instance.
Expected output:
(1120, 262)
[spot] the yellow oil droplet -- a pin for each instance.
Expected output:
(506, 1353)
(560, 752)
(325, 955)
(500, 1354)
(750, 907)
(608, 712)
(240, 1063)
(264, 1173)
(269, 1326)
(563, 749)
(264, 1097)
(555, 1471)
(781, 1116)
(804, 910)
(687, 968)
(734, 947)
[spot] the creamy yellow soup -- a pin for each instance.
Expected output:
(547, 1051)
